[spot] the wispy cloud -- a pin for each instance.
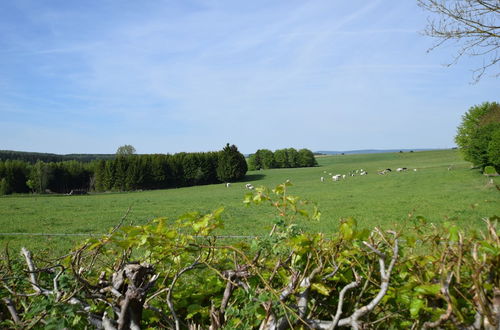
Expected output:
(172, 76)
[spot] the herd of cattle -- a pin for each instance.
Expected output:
(338, 177)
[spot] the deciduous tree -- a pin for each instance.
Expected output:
(125, 150)
(477, 134)
(474, 25)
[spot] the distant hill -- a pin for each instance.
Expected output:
(369, 151)
(33, 157)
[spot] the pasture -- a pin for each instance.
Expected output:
(460, 195)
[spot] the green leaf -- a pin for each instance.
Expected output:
(453, 234)
(321, 288)
(193, 310)
(428, 289)
(76, 320)
(488, 248)
(415, 307)
(347, 228)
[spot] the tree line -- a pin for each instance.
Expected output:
(33, 157)
(281, 158)
(124, 172)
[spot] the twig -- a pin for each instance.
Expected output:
(171, 288)
(449, 310)
(349, 286)
(12, 310)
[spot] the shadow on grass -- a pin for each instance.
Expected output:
(254, 177)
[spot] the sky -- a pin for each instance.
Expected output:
(192, 75)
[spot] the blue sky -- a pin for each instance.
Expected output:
(171, 76)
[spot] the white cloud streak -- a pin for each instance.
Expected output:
(192, 76)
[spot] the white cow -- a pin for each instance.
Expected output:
(322, 179)
(228, 184)
(336, 177)
(249, 186)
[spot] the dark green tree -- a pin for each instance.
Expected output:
(14, 177)
(292, 157)
(121, 166)
(266, 158)
(306, 158)
(253, 162)
(494, 149)
(99, 167)
(281, 158)
(231, 165)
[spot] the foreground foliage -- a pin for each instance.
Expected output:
(174, 274)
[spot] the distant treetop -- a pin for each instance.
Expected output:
(125, 150)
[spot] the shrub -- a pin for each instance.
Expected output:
(175, 274)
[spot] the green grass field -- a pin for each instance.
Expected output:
(461, 196)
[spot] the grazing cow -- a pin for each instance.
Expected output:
(414, 170)
(382, 172)
(388, 170)
(401, 169)
(77, 192)
(249, 186)
(322, 179)
(336, 177)
(343, 176)
(228, 184)
(363, 173)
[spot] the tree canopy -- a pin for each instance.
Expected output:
(281, 158)
(232, 165)
(125, 150)
(478, 135)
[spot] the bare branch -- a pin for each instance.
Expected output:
(449, 310)
(349, 286)
(12, 310)
(171, 288)
(474, 23)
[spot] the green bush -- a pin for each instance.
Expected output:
(176, 274)
(478, 135)
(490, 170)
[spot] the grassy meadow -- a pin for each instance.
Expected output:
(460, 195)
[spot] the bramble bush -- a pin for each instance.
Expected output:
(175, 273)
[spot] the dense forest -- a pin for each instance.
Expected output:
(281, 158)
(33, 157)
(123, 172)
